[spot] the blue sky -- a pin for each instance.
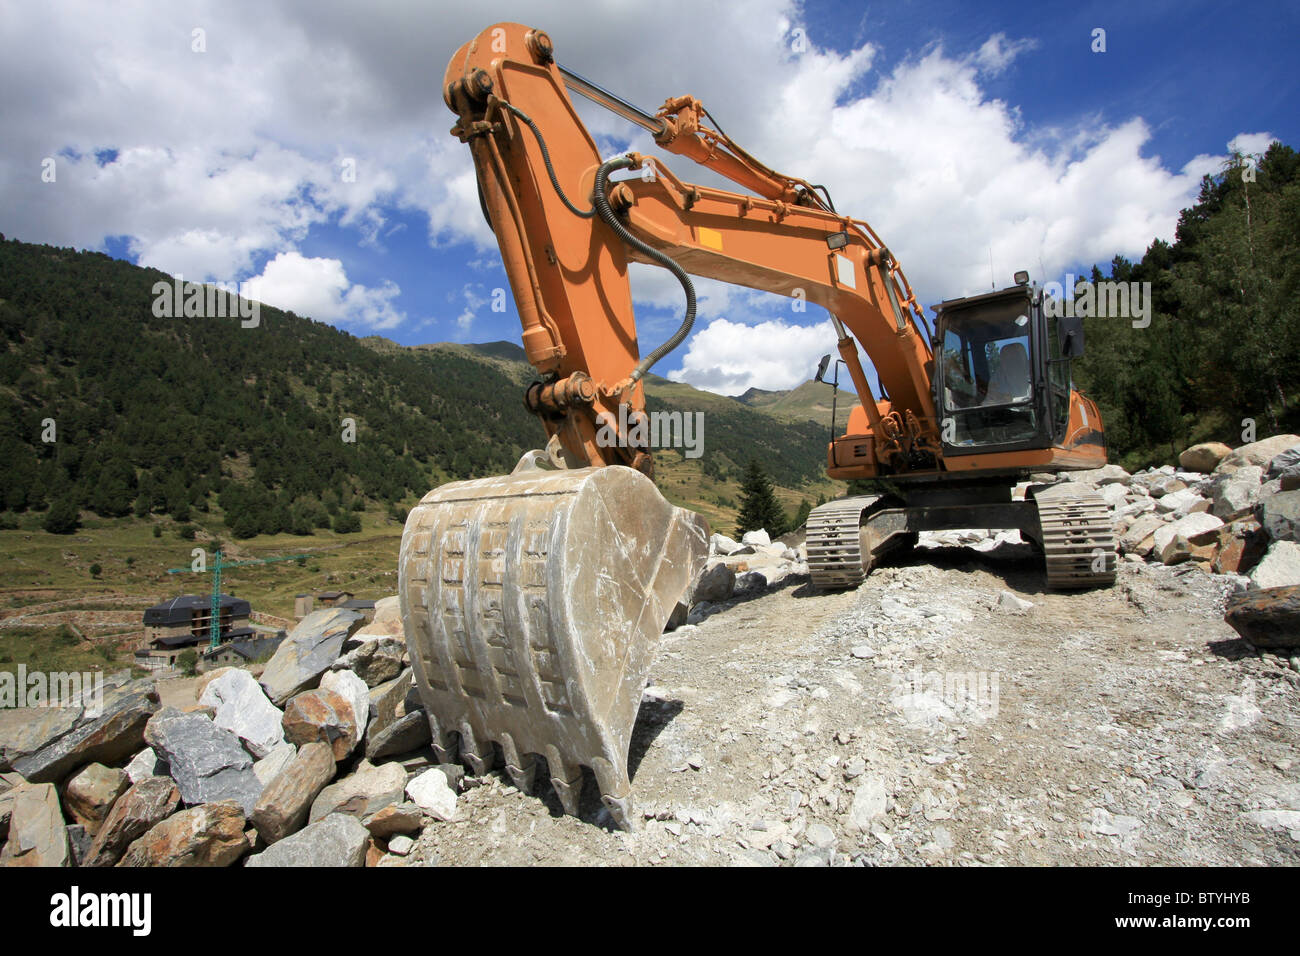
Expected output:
(961, 132)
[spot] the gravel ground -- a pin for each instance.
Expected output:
(929, 719)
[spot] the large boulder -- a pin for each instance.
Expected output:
(756, 538)
(1235, 493)
(38, 834)
(366, 791)
(721, 544)
(1267, 618)
(1181, 503)
(409, 732)
(1204, 457)
(1280, 515)
(90, 794)
(308, 652)
(1241, 545)
(135, 813)
(388, 703)
(271, 766)
(387, 622)
(208, 764)
(1105, 475)
(335, 841)
(1139, 537)
(324, 716)
(26, 730)
(109, 738)
(1279, 568)
(715, 584)
(1256, 453)
(375, 660)
(1179, 540)
(1285, 469)
(243, 709)
(207, 835)
(283, 807)
(354, 690)
(432, 792)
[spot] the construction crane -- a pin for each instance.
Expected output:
(532, 602)
(214, 625)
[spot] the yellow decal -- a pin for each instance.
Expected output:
(711, 238)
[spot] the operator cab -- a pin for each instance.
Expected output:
(1002, 376)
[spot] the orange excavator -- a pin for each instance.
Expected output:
(533, 602)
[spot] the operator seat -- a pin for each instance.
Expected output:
(1011, 381)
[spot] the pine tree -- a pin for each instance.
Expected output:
(759, 509)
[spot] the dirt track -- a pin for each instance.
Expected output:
(919, 720)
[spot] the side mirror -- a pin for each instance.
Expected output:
(821, 369)
(1070, 330)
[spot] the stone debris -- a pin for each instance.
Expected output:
(433, 794)
(207, 763)
(338, 840)
(242, 709)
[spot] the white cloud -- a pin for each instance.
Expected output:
(320, 289)
(1251, 144)
(731, 357)
(235, 154)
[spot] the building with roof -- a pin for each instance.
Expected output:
(185, 622)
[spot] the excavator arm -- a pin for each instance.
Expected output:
(567, 232)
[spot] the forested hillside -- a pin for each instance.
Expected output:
(1223, 345)
(171, 415)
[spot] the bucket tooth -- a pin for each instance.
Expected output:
(444, 741)
(533, 604)
(615, 793)
(477, 753)
(566, 778)
(522, 772)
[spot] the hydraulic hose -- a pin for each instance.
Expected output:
(607, 214)
(546, 158)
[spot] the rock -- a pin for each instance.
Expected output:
(207, 677)
(1157, 485)
(387, 622)
(432, 793)
(283, 807)
(368, 790)
(338, 840)
(110, 738)
(38, 834)
(1139, 538)
(376, 660)
(717, 583)
(243, 709)
(1241, 545)
(1283, 462)
(869, 802)
(1280, 515)
(78, 843)
(407, 733)
(1175, 541)
(721, 544)
(756, 538)
(322, 715)
(136, 812)
(1269, 617)
(355, 691)
(1288, 820)
(208, 764)
(1256, 453)
(1105, 475)
(207, 835)
(401, 845)
(145, 764)
(1236, 493)
(820, 835)
(1182, 503)
(1009, 602)
(1279, 568)
(307, 652)
(863, 651)
(388, 702)
(26, 730)
(1114, 494)
(270, 766)
(89, 795)
(393, 819)
(1204, 457)
(751, 581)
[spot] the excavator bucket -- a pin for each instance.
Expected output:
(532, 604)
